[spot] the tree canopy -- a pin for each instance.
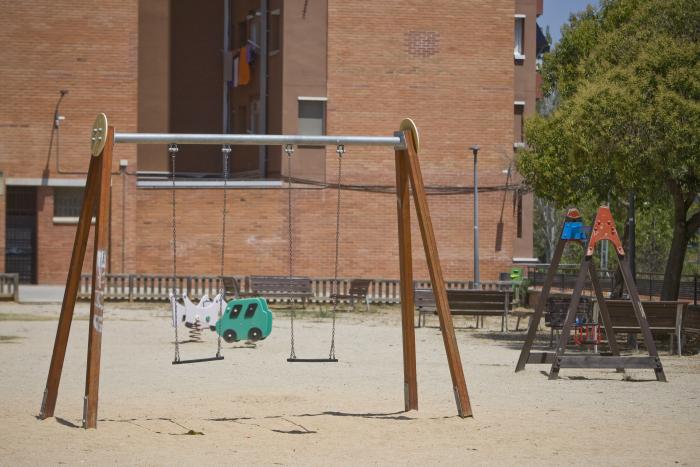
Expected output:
(626, 81)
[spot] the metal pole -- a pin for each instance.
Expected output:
(122, 169)
(477, 281)
(226, 92)
(395, 142)
(262, 101)
(631, 338)
(632, 240)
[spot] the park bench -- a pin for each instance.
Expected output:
(357, 292)
(691, 320)
(232, 288)
(663, 317)
(477, 303)
(9, 286)
(282, 287)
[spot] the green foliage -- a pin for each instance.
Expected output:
(627, 81)
(623, 88)
(654, 229)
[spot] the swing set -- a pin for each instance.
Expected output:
(405, 143)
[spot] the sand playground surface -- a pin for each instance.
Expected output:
(255, 408)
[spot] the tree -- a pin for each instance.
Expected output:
(626, 77)
(547, 226)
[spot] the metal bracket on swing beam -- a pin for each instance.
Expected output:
(396, 141)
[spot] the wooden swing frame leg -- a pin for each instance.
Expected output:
(570, 316)
(525, 353)
(96, 193)
(408, 169)
(605, 316)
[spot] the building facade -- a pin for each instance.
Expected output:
(464, 71)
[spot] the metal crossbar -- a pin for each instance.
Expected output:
(396, 141)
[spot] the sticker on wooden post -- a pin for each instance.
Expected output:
(100, 268)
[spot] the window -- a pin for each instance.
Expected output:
(235, 311)
(311, 116)
(518, 128)
(67, 201)
(519, 221)
(242, 30)
(519, 51)
(275, 32)
(250, 311)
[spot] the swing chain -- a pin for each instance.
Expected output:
(172, 150)
(289, 150)
(340, 150)
(225, 153)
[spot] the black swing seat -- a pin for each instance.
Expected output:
(312, 360)
(197, 360)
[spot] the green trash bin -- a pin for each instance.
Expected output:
(516, 275)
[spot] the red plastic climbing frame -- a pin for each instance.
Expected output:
(604, 229)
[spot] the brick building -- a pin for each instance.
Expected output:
(464, 71)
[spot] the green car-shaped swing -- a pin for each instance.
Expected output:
(246, 318)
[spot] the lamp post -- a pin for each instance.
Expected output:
(477, 281)
(632, 237)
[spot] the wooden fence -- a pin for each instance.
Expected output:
(149, 287)
(9, 286)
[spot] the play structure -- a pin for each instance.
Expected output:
(247, 318)
(573, 231)
(231, 325)
(97, 200)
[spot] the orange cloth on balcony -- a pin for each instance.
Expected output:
(243, 67)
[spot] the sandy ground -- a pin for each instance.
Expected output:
(255, 408)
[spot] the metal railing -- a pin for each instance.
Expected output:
(9, 286)
(649, 284)
(157, 287)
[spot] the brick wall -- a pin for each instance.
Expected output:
(449, 66)
(3, 192)
(446, 64)
(89, 51)
(54, 242)
(257, 238)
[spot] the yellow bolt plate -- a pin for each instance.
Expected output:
(98, 135)
(408, 124)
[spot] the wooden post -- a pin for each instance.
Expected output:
(92, 377)
(570, 317)
(639, 313)
(403, 202)
(540, 306)
(53, 380)
(431, 254)
(15, 284)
